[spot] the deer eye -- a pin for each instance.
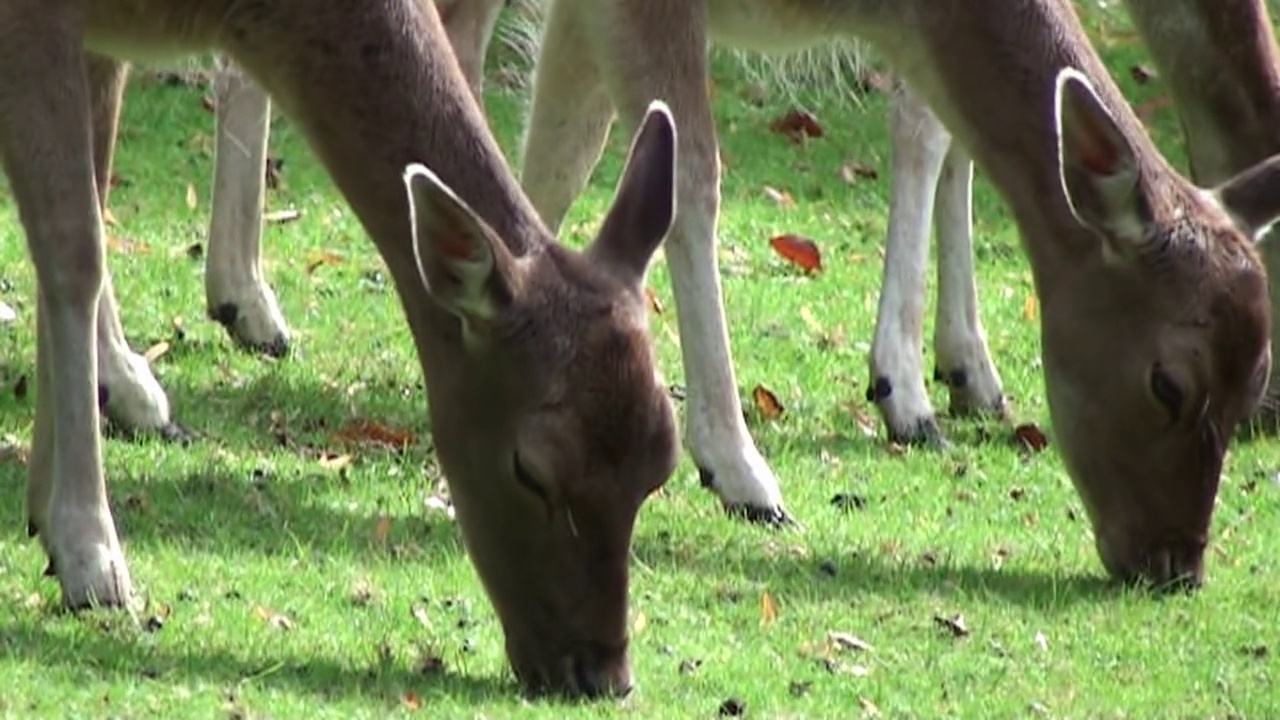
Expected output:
(1166, 390)
(526, 480)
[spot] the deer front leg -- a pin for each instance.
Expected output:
(962, 358)
(919, 144)
(134, 399)
(236, 290)
(635, 54)
(47, 153)
(469, 24)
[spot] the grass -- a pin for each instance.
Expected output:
(285, 587)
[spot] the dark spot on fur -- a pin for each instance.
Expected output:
(879, 390)
(957, 379)
(225, 314)
(104, 396)
(706, 478)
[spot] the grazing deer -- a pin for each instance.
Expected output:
(1155, 317)
(549, 419)
(237, 293)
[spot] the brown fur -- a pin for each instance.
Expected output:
(1144, 280)
(516, 335)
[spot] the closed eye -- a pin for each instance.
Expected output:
(525, 479)
(1166, 391)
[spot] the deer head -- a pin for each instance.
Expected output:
(554, 427)
(1153, 357)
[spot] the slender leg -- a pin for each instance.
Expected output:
(236, 290)
(897, 368)
(959, 340)
(47, 153)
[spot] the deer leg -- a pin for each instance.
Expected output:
(919, 143)
(469, 24)
(47, 153)
(962, 358)
(236, 291)
(134, 399)
(640, 62)
(569, 117)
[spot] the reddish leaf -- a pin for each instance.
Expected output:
(322, 257)
(368, 432)
(1029, 308)
(412, 701)
(1031, 437)
(768, 609)
(800, 251)
(853, 171)
(797, 125)
(781, 197)
(770, 407)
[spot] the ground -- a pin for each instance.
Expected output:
(295, 568)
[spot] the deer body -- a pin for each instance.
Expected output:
(530, 351)
(1154, 309)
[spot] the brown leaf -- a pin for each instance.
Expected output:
(846, 641)
(954, 624)
(869, 708)
(369, 432)
(1030, 437)
(640, 622)
(851, 172)
(1142, 74)
(363, 593)
(280, 217)
(334, 461)
(1029, 307)
(768, 608)
(797, 125)
(799, 251)
(127, 246)
(272, 618)
(655, 305)
(412, 701)
(322, 257)
(781, 197)
(767, 403)
(108, 218)
(381, 530)
(155, 352)
(192, 198)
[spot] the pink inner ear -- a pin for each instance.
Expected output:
(1093, 145)
(454, 246)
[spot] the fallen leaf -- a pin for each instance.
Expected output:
(361, 432)
(655, 305)
(1042, 642)
(846, 641)
(797, 125)
(155, 352)
(1030, 437)
(108, 217)
(954, 624)
(1029, 308)
(334, 461)
(768, 608)
(1142, 74)
(782, 198)
(767, 403)
(381, 530)
(799, 251)
(419, 613)
(127, 246)
(868, 708)
(439, 504)
(280, 217)
(851, 172)
(733, 707)
(640, 623)
(322, 257)
(412, 701)
(807, 316)
(274, 619)
(192, 199)
(7, 314)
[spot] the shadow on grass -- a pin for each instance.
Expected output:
(125, 657)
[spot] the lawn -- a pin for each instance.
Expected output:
(290, 572)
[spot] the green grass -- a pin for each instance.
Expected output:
(239, 529)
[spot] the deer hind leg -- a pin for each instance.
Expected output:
(569, 117)
(470, 24)
(963, 360)
(47, 153)
(919, 143)
(640, 61)
(134, 400)
(236, 290)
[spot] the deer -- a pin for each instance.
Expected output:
(1155, 321)
(549, 418)
(237, 293)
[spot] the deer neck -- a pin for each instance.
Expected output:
(1219, 60)
(989, 72)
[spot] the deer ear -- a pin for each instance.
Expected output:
(462, 264)
(1098, 169)
(645, 203)
(1252, 198)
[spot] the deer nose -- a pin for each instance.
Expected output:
(599, 676)
(1170, 566)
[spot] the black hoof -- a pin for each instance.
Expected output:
(225, 314)
(769, 517)
(32, 528)
(172, 433)
(924, 433)
(277, 348)
(175, 433)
